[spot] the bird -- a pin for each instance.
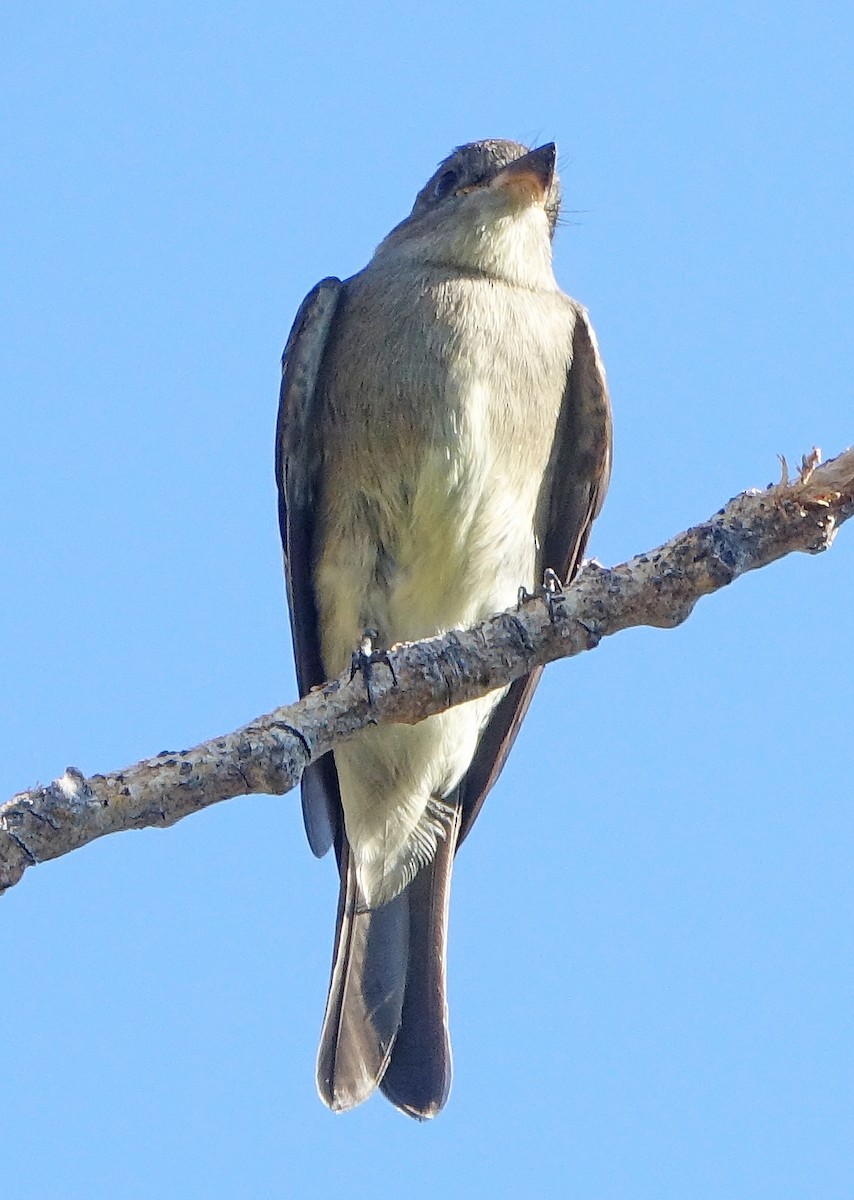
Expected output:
(443, 438)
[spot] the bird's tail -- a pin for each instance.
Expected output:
(386, 1020)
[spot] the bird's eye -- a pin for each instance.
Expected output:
(445, 184)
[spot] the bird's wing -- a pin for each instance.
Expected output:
(577, 476)
(297, 463)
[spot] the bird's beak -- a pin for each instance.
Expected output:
(530, 177)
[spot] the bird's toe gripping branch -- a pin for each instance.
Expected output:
(365, 659)
(550, 590)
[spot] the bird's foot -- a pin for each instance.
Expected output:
(365, 659)
(551, 590)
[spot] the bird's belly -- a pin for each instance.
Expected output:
(436, 537)
(432, 550)
(461, 556)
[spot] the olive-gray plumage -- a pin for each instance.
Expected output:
(444, 436)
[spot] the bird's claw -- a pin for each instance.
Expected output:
(550, 590)
(522, 597)
(365, 659)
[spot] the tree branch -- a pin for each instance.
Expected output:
(659, 588)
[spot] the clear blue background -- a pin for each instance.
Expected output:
(652, 972)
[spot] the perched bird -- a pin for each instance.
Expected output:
(444, 436)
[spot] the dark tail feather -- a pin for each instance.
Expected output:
(418, 1077)
(386, 1017)
(365, 993)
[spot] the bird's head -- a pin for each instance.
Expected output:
(490, 209)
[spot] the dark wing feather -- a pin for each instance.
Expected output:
(577, 476)
(580, 467)
(297, 463)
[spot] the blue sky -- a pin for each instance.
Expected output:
(652, 969)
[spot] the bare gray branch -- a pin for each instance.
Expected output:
(659, 588)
